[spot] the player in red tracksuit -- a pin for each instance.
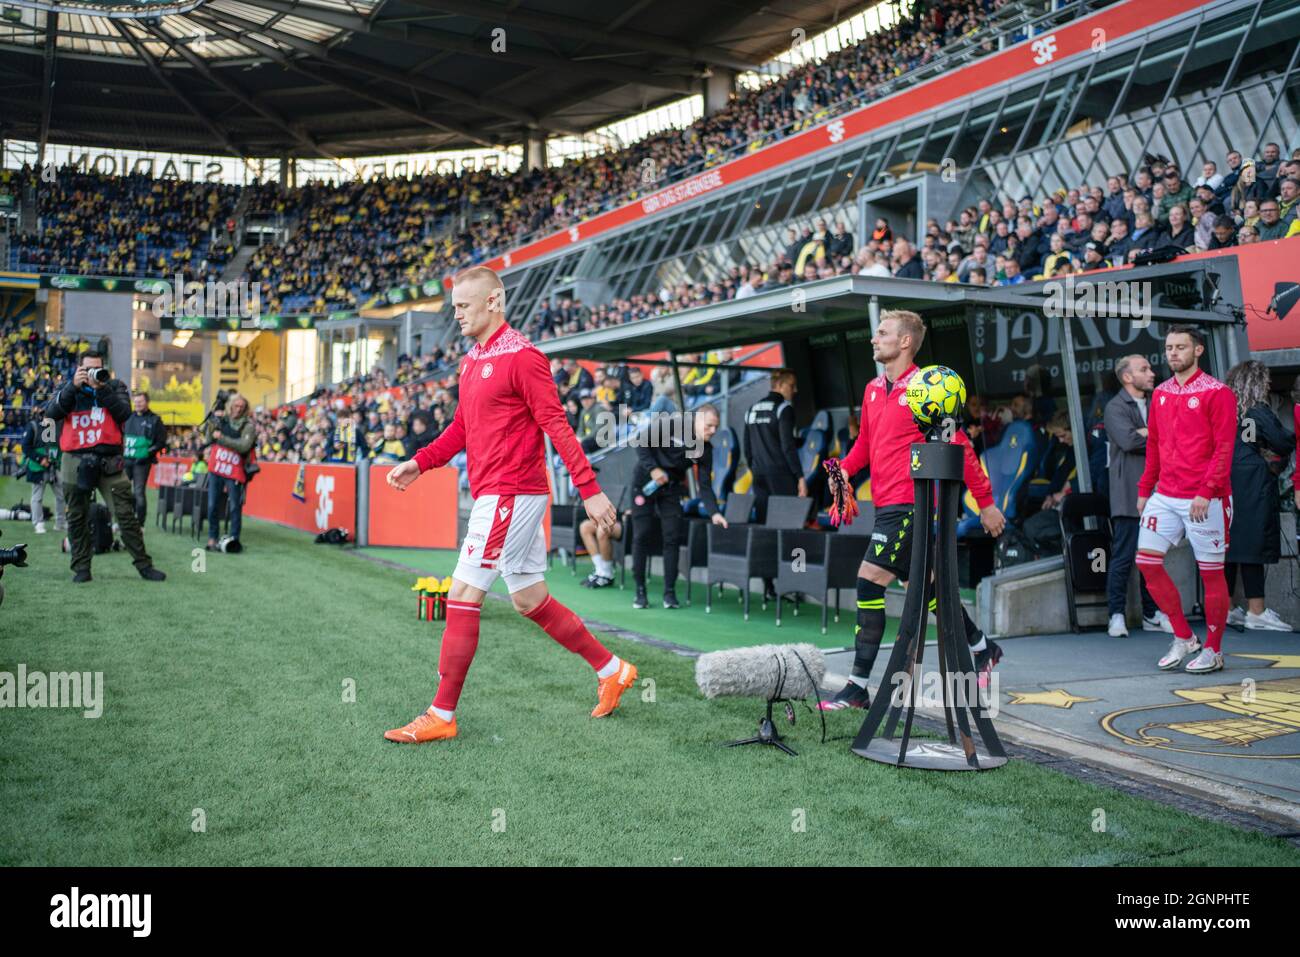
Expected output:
(886, 433)
(507, 401)
(1186, 489)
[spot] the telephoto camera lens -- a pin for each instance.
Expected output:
(98, 376)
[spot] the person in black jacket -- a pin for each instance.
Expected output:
(144, 437)
(771, 449)
(666, 464)
(1255, 539)
(1179, 233)
(637, 391)
(90, 411)
(41, 462)
(419, 435)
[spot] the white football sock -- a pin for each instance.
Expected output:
(858, 680)
(609, 669)
(980, 645)
(445, 715)
(604, 567)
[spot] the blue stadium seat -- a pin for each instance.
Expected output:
(726, 460)
(811, 453)
(1009, 465)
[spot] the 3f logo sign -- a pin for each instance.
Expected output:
(324, 500)
(1045, 49)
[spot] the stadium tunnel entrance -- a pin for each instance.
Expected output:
(1040, 353)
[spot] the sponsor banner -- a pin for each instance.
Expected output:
(428, 289)
(1013, 64)
(329, 492)
(268, 322)
(253, 371)
(330, 496)
(423, 516)
(148, 287)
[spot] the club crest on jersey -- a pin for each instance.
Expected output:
(1162, 399)
(487, 369)
(1193, 402)
(902, 398)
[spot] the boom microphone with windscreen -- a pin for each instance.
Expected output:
(773, 672)
(770, 672)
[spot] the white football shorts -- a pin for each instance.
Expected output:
(505, 538)
(1166, 520)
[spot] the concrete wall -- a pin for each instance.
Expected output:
(95, 314)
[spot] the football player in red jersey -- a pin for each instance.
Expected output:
(1186, 489)
(507, 402)
(884, 443)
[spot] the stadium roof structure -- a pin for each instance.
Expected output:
(338, 78)
(834, 304)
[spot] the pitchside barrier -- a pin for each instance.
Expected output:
(314, 497)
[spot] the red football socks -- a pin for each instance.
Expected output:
(1165, 592)
(567, 628)
(1216, 603)
(459, 642)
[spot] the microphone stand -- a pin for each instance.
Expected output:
(767, 733)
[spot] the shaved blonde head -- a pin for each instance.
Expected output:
(479, 276)
(479, 299)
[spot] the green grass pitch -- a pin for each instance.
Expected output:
(224, 691)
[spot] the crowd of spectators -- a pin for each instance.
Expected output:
(93, 224)
(1069, 231)
(32, 367)
(373, 417)
(349, 243)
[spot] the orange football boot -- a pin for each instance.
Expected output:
(427, 727)
(612, 688)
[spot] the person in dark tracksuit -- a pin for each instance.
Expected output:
(1125, 418)
(144, 436)
(1256, 532)
(41, 461)
(667, 465)
(771, 449)
(90, 418)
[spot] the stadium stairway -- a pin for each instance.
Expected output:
(243, 253)
(238, 263)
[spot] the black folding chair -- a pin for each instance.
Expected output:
(1085, 541)
(744, 552)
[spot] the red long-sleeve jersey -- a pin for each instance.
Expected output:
(1191, 430)
(885, 436)
(507, 400)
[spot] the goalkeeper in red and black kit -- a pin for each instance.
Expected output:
(884, 443)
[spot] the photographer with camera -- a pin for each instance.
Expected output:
(146, 436)
(230, 436)
(41, 460)
(90, 411)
